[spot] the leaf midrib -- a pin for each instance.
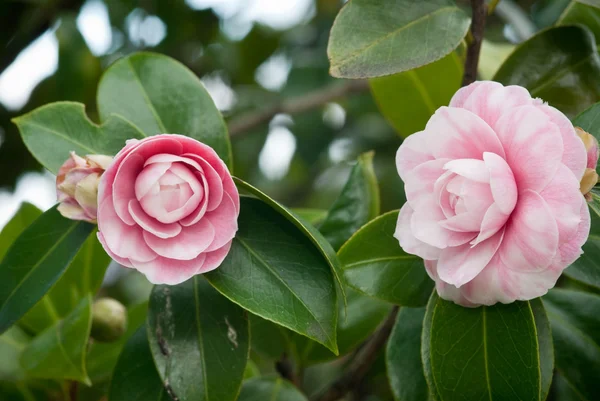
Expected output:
(274, 273)
(61, 135)
(146, 97)
(200, 338)
(378, 41)
(355, 265)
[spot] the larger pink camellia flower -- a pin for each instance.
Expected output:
(493, 199)
(168, 207)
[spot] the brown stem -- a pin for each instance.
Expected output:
(73, 388)
(296, 105)
(361, 363)
(477, 27)
(285, 368)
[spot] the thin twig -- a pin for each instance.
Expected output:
(477, 28)
(296, 105)
(361, 363)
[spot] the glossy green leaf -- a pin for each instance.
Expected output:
(307, 229)
(357, 204)
(582, 12)
(35, 261)
(363, 316)
(587, 267)
(496, 352)
(83, 276)
(276, 272)
(135, 377)
(559, 65)
(313, 216)
(59, 351)
(575, 321)
(562, 390)
(373, 38)
(374, 264)
(199, 340)
(26, 214)
(12, 343)
(102, 357)
(403, 357)
(271, 389)
(589, 121)
(407, 100)
(52, 131)
(160, 95)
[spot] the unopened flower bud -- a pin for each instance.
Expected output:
(590, 177)
(77, 186)
(109, 320)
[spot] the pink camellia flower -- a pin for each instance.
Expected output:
(77, 186)
(168, 207)
(493, 200)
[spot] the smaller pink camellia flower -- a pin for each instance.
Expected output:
(494, 205)
(77, 186)
(168, 207)
(590, 177)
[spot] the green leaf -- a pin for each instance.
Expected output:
(276, 272)
(270, 389)
(268, 339)
(372, 38)
(35, 261)
(199, 340)
(52, 131)
(357, 204)
(313, 216)
(160, 95)
(26, 214)
(135, 377)
(587, 267)
(83, 276)
(307, 229)
(403, 357)
(575, 321)
(363, 316)
(12, 344)
(407, 100)
(589, 121)
(374, 264)
(102, 357)
(495, 352)
(567, 76)
(582, 12)
(59, 351)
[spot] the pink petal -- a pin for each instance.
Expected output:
(574, 149)
(407, 240)
(200, 210)
(571, 250)
(149, 177)
(190, 243)
(193, 148)
(442, 196)
(412, 153)
(425, 226)
(122, 261)
(214, 185)
(489, 100)
(230, 188)
(493, 220)
(224, 219)
(459, 134)
(564, 200)
(419, 184)
(531, 236)
(150, 224)
(473, 169)
(122, 240)
(215, 258)
(169, 158)
(444, 290)
(459, 265)
(533, 146)
(170, 271)
(502, 182)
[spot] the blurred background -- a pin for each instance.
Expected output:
(250, 55)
